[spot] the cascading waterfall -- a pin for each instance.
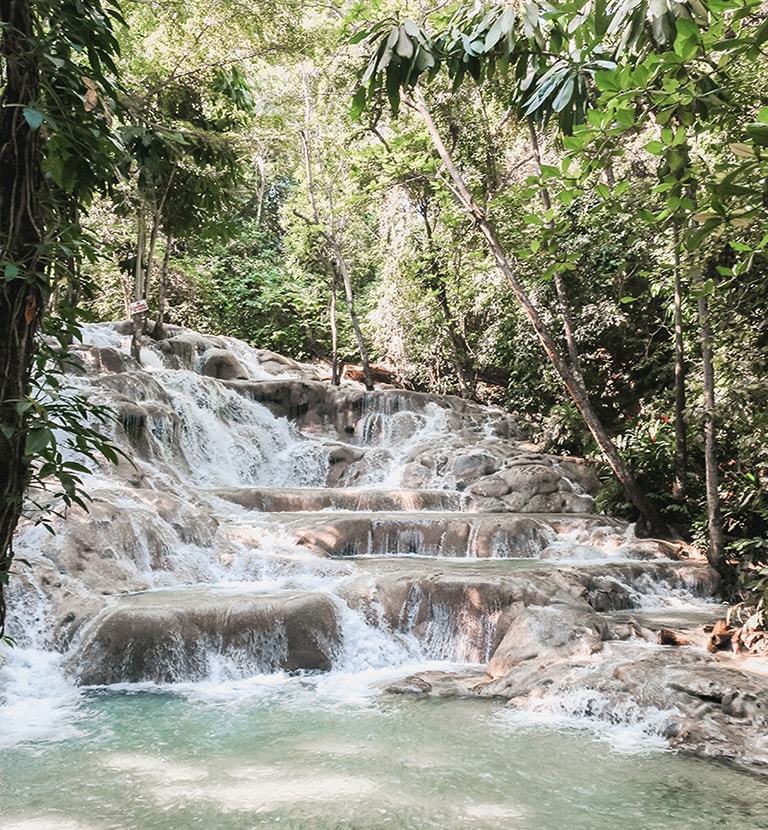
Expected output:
(235, 656)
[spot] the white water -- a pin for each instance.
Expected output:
(244, 749)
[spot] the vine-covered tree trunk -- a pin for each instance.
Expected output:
(21, 298)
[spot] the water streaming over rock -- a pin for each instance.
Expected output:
(273, 536)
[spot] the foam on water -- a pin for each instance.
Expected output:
(624, 726)
(103, 335)
(40, 704)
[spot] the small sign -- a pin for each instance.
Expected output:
(139, 306)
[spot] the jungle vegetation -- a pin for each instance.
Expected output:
(559, 208)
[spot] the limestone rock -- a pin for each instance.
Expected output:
(546, 633)
(170, 637)
(223, 365)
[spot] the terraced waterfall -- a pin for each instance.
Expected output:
(315, 607)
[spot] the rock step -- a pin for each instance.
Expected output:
(463, 613)
(476, 535)
(180, 635)
(314, 499)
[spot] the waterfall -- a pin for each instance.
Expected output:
(276, 544)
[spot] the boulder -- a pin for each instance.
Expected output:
(455, 616)
(175, 636)
(223, 365)
(546, 633)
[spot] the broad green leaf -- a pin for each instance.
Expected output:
(358, 103)
(37, 439)
(33, 117)
(621, 188)
(608, 81)
(564, 96)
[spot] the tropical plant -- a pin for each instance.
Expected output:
(56, 150)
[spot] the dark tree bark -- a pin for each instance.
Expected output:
(21, 295)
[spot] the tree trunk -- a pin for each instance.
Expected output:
(681, 452)
(161, 290)
(138, 289)
(335, 368)
(459, 346)
(648, 514)
(716, 548)
(23, 289)
(341, 264)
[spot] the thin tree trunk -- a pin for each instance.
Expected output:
(138, 289)
(716, 548)
(648, 513)
(459, 345)
(161, 290)
(562, 295)
(340, 265)
(22, 287)
(681, 451)
(261, 187)
(141, 286)
(335, 368)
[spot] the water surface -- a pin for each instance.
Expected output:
(300, 753)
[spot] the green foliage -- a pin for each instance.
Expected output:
(648, 445)
(58, 68)
(63, 439)
(244, 288)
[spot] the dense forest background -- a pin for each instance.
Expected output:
(270, 171)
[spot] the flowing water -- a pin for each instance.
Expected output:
(242, 749)
(310, 753)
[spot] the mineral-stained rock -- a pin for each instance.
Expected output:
(315, 499)
(295, 399)
(174, 636)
